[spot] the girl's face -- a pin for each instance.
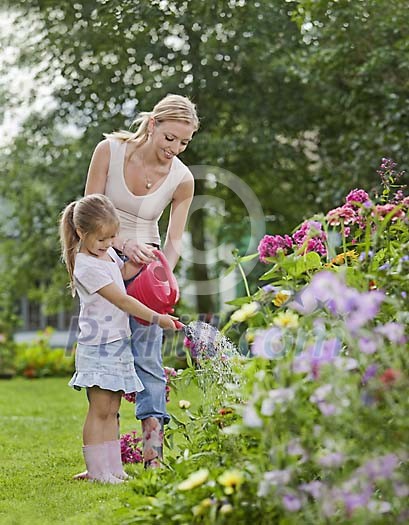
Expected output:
(170, 138)
(97, 244)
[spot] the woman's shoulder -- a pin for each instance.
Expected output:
(103, 148)
(181, 169)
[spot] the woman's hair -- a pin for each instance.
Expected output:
(172, 107)
(91, 214)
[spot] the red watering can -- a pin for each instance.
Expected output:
(156, 286)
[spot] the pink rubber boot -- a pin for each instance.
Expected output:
(114, 458)
(96, 459)
(152, 439)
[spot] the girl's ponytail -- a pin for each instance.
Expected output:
(69, 241)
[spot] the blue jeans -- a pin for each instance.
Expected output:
(146, 343)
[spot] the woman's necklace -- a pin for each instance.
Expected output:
(148, 182)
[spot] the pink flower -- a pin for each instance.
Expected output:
(311, 238)
(131, 398)
(382, 210)
(315, 245)
(357, 196)
(271, 244)
(130, 449)
(345, 213)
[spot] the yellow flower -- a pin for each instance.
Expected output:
(245, 312)
(194, 480)
(183, 403)
(203, 505)
(340, 258)
(281, 297)
(231, 480)
(286, 319)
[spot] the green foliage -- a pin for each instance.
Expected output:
(7, 357)
(356, 61)
(38, 359)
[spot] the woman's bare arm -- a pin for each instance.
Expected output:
(181, 202)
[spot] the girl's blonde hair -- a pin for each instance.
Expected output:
(172, 107)
(90, 215)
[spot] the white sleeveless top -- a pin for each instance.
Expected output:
(139, 215)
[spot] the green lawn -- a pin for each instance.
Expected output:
(40, 449)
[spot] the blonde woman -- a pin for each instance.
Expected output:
(141, 174)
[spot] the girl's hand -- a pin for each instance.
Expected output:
(167, 322)
(138, 252)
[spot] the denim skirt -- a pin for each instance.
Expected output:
(109, 366)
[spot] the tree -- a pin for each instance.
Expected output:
(356, 61)
(232, 58)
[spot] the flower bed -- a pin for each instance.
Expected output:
(311, 425)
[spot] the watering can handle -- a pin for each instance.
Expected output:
(169, 274)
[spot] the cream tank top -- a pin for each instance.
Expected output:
(139, 215)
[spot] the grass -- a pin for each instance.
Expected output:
(40, 449)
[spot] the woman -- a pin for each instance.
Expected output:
(141, 174)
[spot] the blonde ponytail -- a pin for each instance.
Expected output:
(69, 240)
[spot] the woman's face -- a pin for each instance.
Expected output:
(170, 138)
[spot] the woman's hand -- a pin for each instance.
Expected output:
(138, 252)
(167, 322)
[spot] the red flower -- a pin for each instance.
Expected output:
(390, 376)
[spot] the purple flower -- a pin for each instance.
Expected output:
(322, 352)
(401, 490)
(365, 255)
(321, 393)
(327, 409)
(369, 373)
(394, 332)
(387, 164)
(354, 501)
(380, 468)
(361, 308)
(334, 459)
(251, 418)
(268, 343)
(271, 244)
(321, 293)
(277, 396)
(314, 488)
(294, 448)
(291, 502)
(367, 345)
(276, 477)
(269, 288)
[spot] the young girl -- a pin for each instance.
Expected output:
(104, 361)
